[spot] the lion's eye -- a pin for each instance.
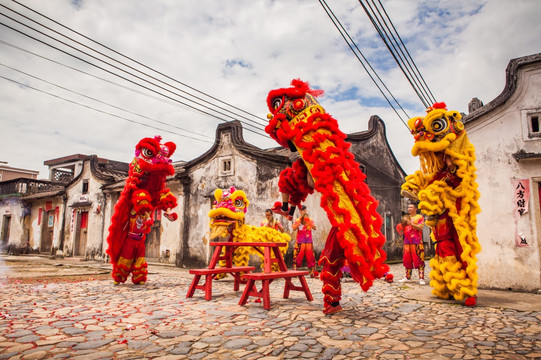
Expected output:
(439, 125)
(239, 203)
(147, 153)
(277, 103)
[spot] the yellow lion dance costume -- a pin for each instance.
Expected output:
(448, 197)
(227, 220)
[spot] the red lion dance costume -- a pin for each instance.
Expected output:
(299, 123)
(144, 192)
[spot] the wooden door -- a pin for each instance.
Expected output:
(6, 224)
(81, 233)
(47, 231)
(152, 241)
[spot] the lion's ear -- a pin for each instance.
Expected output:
(171, 146)
(455, 115)
(218, 194)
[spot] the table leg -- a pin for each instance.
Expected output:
(280, 258)
(215, 256)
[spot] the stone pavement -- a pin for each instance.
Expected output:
(69, 309)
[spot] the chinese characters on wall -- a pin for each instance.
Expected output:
(521, 200)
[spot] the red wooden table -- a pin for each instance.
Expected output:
(211, 271)
(268, 276)
(267, 249)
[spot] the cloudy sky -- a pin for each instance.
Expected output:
(59, 101)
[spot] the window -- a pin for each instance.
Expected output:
(85, 186)
(226, 166)
(534, 126)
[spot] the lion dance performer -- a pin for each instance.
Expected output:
(299, 123)
(132, 219)
(227, 220)
(448, 195)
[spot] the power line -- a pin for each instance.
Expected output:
(96, 77)
(98, 110)
(105, 103)
(351, 45)
(115, 67)
(398, 50)
(111, 72)
(143, 65)
(131, 74)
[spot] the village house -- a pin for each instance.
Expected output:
(62, 214)
(10, 173)
(233, 162)
(72, 217)
(506, 134)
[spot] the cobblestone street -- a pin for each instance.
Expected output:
(76, 312)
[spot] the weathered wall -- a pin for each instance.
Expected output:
(497, 135)
(170, 230)
(79, 202)
(384, 178)
(13, 208)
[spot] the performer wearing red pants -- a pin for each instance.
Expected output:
(144, 192)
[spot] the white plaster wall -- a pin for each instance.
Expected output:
(96, 221)
(107, 213)
(13, 208)
(170, 230)
(36, 229)
(496, 136)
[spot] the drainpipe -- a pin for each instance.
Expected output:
(102, 214)
(62, 230)
(186, 181)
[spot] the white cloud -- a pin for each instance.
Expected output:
(237, 51)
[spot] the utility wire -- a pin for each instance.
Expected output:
(404, 61)
(98, 110)
(113, 73)
(352, 44)
(97, 77)
(108, 104)
(116, 67)
(424, 85)
(143, 65)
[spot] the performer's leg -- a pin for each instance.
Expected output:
(421, 254)
(310, 258)
(122, 268)
(140, 267)
(300, 255)
(295, 254)
(332, 260)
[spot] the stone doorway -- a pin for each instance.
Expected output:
(47, 231)
(81, 234)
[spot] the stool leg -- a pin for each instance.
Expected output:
(266, 294)
(195, 281)
(306, 289)
(246, 292)
(287, 287)
(208, 287)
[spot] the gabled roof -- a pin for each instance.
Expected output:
(106, 170)
(375, 125)
(249, 150)
(511, 79)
